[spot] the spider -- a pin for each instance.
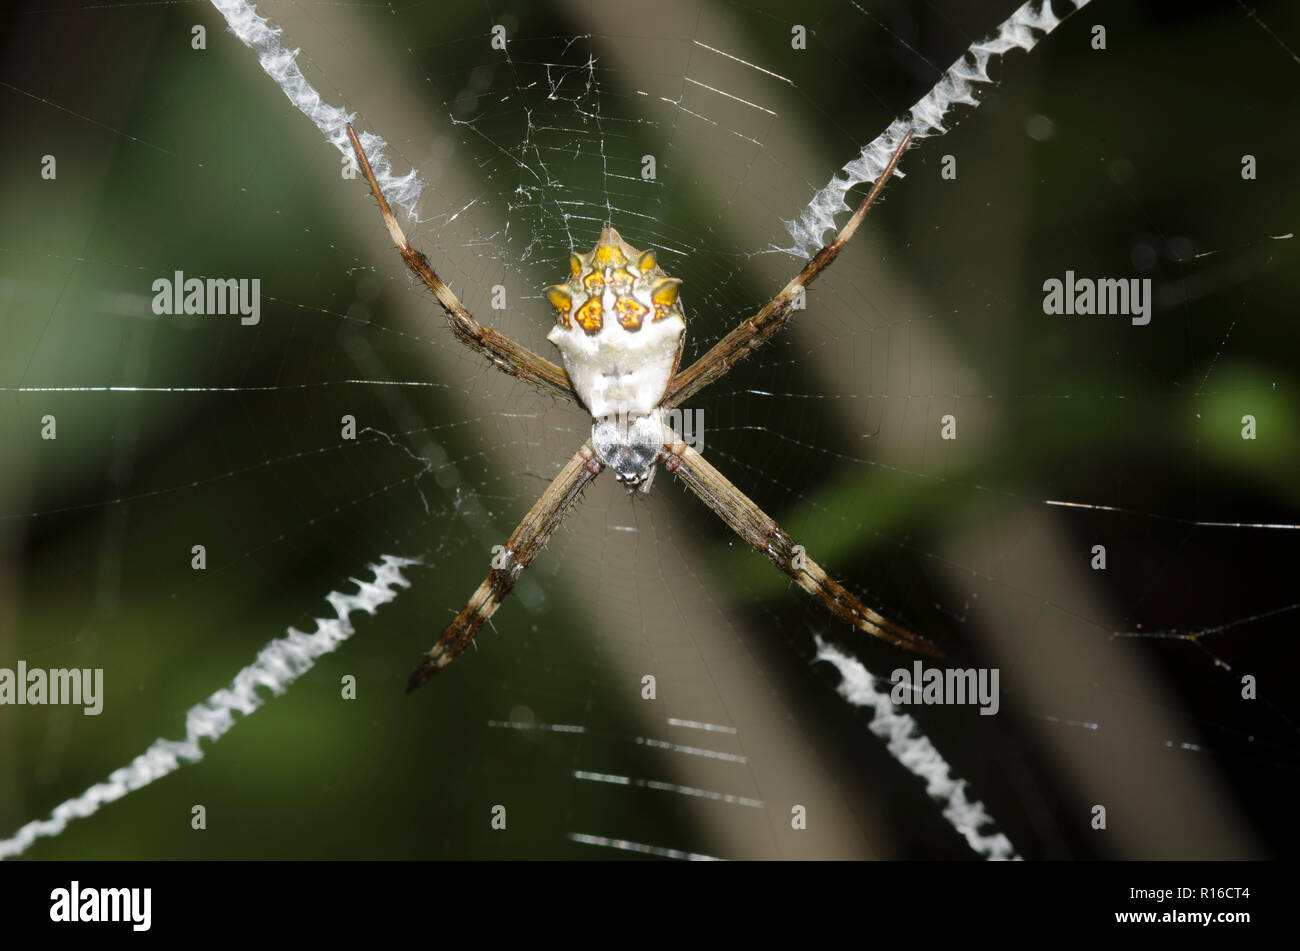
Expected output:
(620, 328)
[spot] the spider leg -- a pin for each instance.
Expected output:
(766, 537)
(529, 538)
(755, 331)
(503, 352)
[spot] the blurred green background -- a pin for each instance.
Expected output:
(1121, 162)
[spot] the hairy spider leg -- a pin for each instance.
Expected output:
(755, 331)
(524, 544)
(767, 538)
(500, 350)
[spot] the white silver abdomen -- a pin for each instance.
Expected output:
(619, 329)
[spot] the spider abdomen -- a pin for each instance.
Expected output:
(619, 329)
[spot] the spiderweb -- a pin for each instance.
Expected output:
(701, 131)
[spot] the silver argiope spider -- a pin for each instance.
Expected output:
(620, 329)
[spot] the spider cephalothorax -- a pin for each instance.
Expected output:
(619, 327)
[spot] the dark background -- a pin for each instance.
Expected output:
(175, 159)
